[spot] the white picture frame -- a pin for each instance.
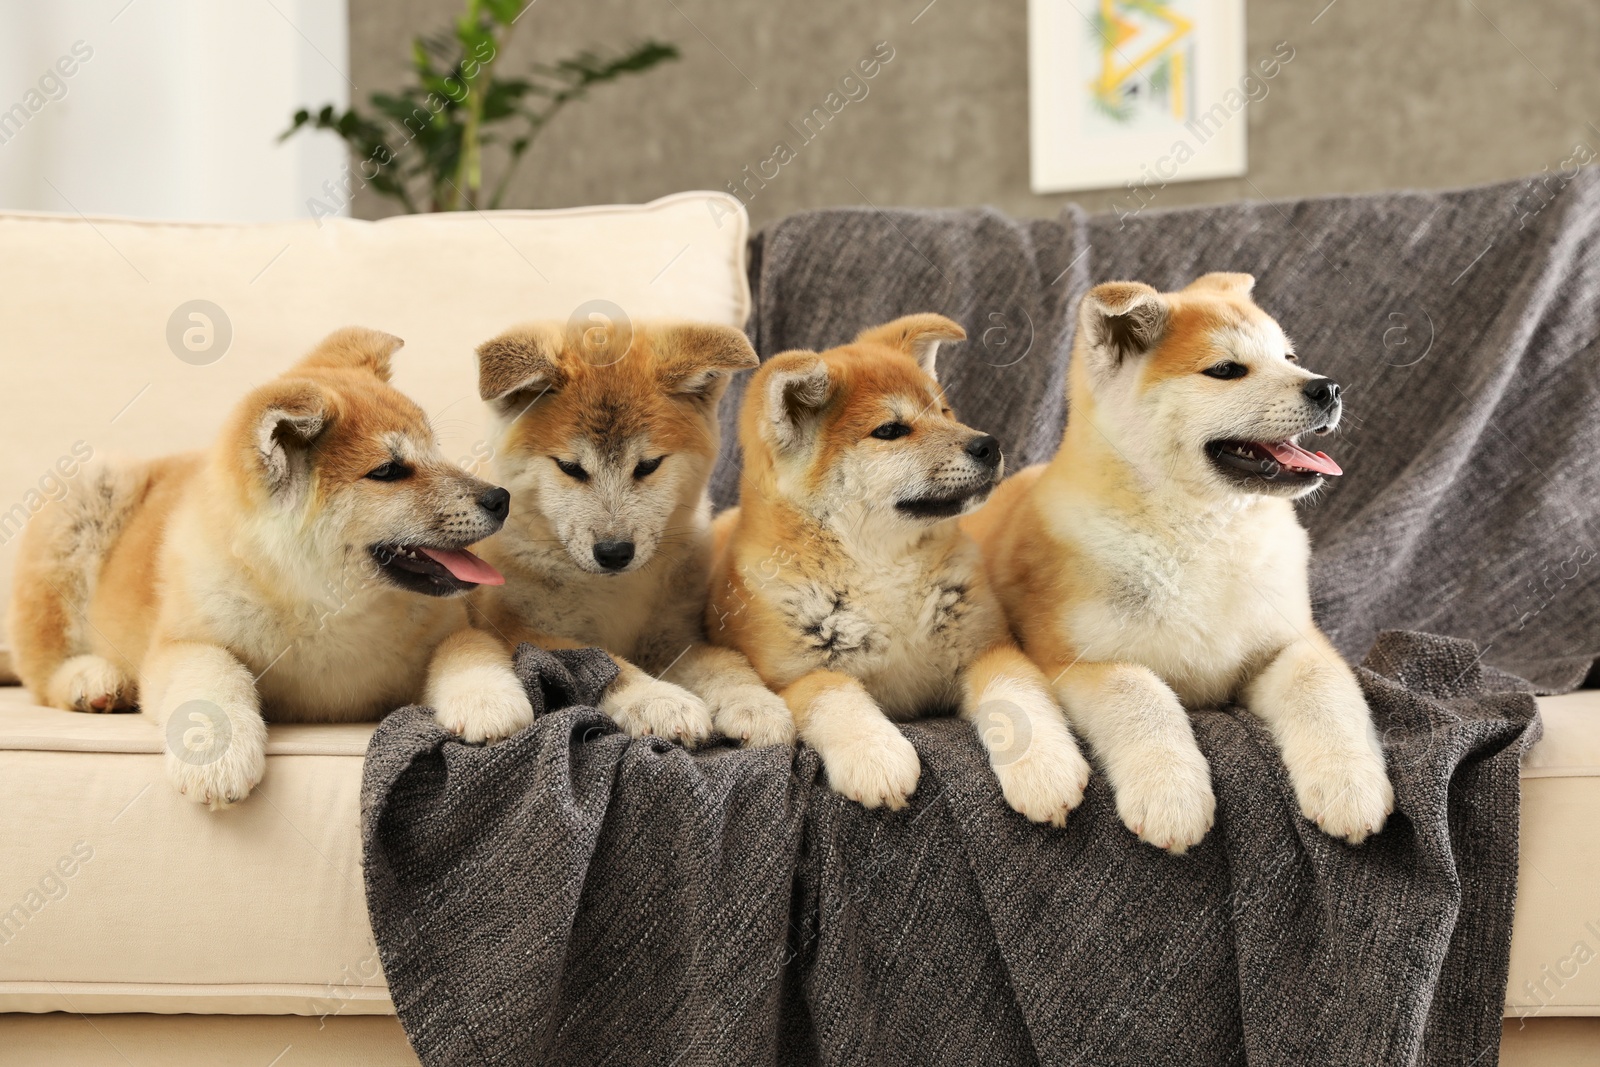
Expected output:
(1135, 92)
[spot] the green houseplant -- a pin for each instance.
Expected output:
(424, 146)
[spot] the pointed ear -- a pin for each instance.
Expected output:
(697, 360)
(353, 348)
(918, 336)
(282, 422)
(1223, 282)
(521, 359)
(795, 393)
(1120, 321)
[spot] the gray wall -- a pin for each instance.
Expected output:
(1413, 93)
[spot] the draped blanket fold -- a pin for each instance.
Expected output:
(571, 897)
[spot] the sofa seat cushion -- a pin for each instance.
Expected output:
(121, 896)
(1555, 936)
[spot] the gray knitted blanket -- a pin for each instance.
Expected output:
(570, 897)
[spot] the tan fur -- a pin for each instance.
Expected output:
(607, 405)
(859, 610)
(237, 584)
(1145, 583)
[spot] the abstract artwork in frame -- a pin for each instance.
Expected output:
(1135, 92)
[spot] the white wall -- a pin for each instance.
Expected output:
(173, 107)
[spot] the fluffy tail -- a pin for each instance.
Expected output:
(58, 564)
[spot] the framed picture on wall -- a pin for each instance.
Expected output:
(1140, 92)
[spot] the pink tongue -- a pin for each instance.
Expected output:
(465, 566)
(1292, 455)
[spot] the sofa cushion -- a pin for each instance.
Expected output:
(207, 1041)
(119, 895)
(134, 899)
(1555, 936)
(103, 357)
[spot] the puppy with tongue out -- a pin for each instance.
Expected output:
(1156, 565)
(437, 566)
(272, 578)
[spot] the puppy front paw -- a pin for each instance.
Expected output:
(879, 769)
(213, 758)
(1166, 798)
(92, 683)
(1348, 796)
(661, 709)
(1041, 772)
(1046, 782)
(485, 704)
(753, 715)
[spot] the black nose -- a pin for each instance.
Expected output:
(497, 502)
(613, 555)
(1323, 392)
(985, 450)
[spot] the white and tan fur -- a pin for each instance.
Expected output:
(1145, 580)
(846, 580)
(239, 585)
(576, 414)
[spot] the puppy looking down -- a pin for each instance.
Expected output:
(276, 575)
(606, 439)
(845, 579)
(1156, 563)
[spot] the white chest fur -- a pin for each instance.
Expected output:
(645, 615)
(352, 655)
(904, 624)
(1200, 598)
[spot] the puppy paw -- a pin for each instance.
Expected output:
(92, 683)
(1347, 796)
(754, 716)
(1046, 782)
(484, 704)
(661, 709)
(213, 759)
(880, 769)
(1167, 799)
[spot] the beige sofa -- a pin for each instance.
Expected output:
(138, 928)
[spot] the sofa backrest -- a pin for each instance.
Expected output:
(131, 338)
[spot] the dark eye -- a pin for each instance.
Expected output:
(1291, 357)
(572, 470)
(1227, 370)
(389, 472)
(891, 431)
(647, 467)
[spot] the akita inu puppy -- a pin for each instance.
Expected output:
(606, 439)
(846, 580)
(277, 573)
(1156, 563)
